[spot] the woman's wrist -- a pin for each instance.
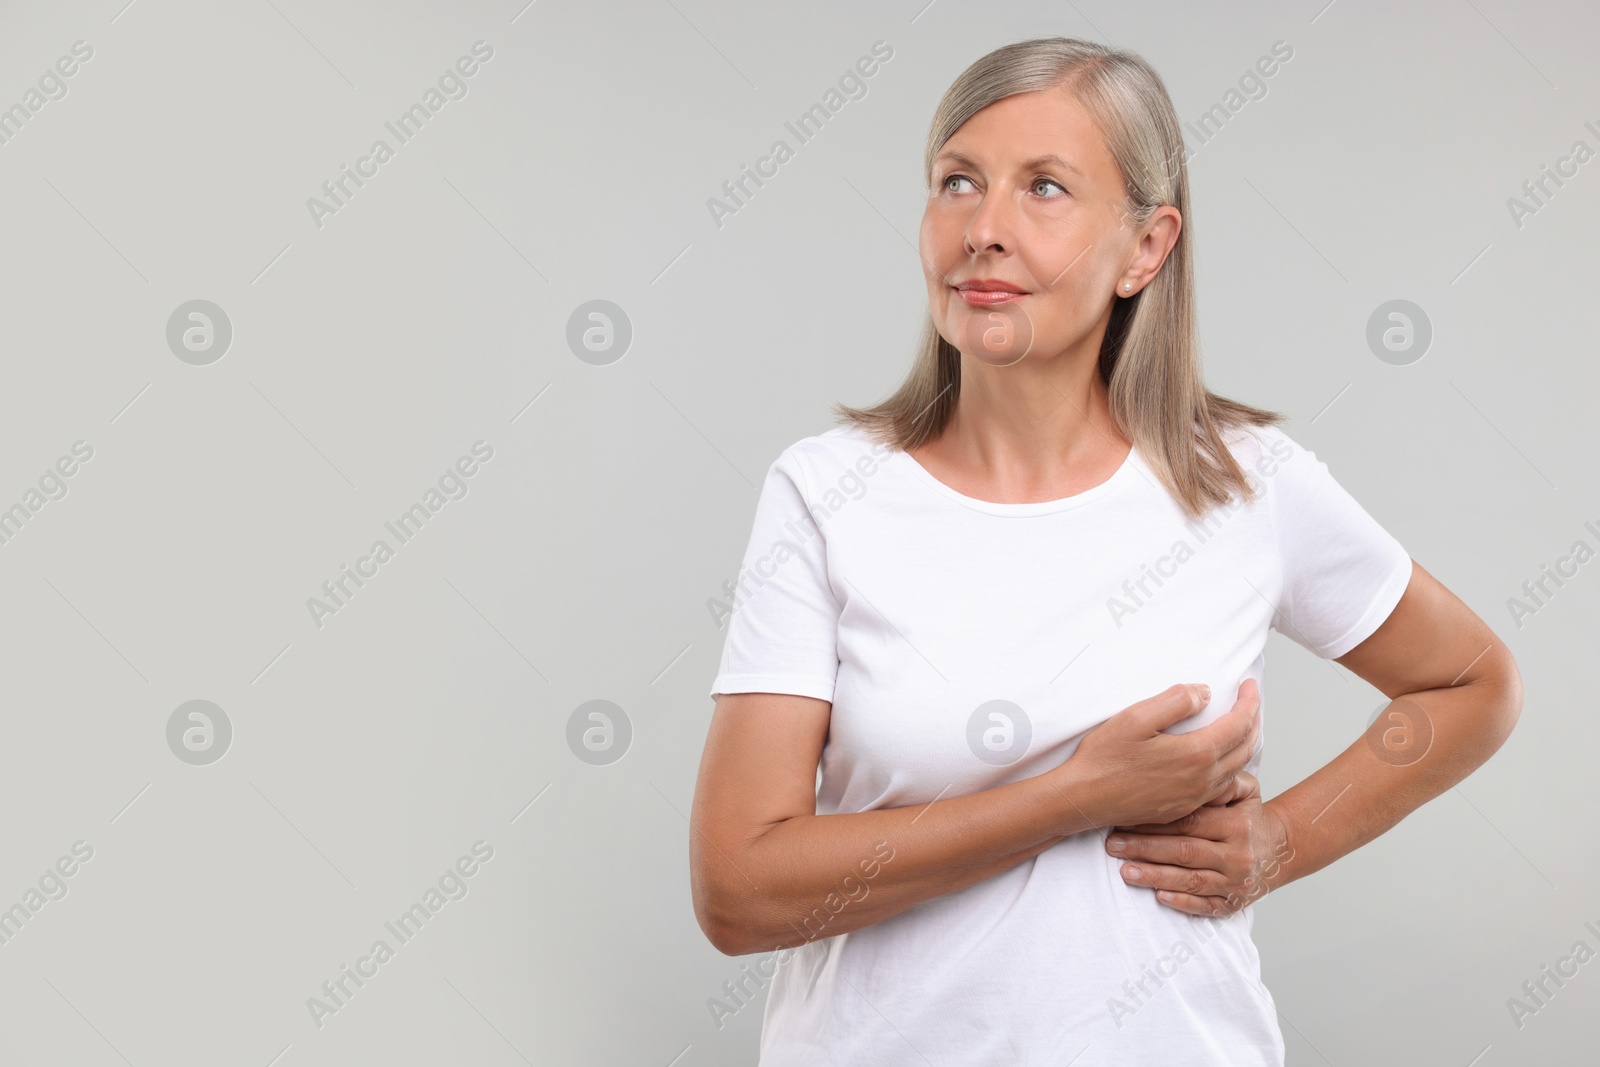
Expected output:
(1070, 801)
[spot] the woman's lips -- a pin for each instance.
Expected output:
(981, 298)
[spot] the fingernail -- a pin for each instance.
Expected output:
(1205, 692)
(1131, 873)
(1116, 842)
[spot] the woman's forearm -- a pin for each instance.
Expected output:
(815, 876)
(1420, 745)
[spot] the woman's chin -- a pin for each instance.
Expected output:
(999, 335)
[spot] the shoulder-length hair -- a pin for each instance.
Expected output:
(1150, 355)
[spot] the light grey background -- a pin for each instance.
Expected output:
(431, 311)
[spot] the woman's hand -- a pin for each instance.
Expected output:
(1214, 861)
(1129, 770)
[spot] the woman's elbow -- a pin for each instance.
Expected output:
(1503, 706)
(720, 930)
(720, 913)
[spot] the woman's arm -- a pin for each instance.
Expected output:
(767, 872)
(1455, 694)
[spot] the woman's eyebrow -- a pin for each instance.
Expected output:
(1027, 164)
(1039, 161)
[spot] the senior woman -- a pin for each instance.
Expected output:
(982, 764)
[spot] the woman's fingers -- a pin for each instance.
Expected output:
(1204, 822)
(1242, 786)
(1214, 907)
(1235, 730)
(1196, 881)
(1178, 851)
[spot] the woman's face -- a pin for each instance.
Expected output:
(1026, 196)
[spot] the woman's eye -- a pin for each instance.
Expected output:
(1037, 183)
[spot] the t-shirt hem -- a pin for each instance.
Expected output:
(793, 684)
(1382, 605)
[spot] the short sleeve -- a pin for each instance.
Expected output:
(783, 633)
(1343, 573)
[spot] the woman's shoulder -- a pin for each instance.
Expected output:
(1263, 451)
(1250, 441)
(841, 445)
(846, 435)
(1260, 448)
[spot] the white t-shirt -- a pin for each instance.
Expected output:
(966, 644)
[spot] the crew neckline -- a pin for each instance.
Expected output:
(1128, 469)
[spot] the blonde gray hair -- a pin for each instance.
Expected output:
(1150, 355)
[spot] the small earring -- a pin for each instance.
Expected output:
(1126, 286)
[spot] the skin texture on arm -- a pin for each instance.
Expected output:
(1455, 694)
(767, 872)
